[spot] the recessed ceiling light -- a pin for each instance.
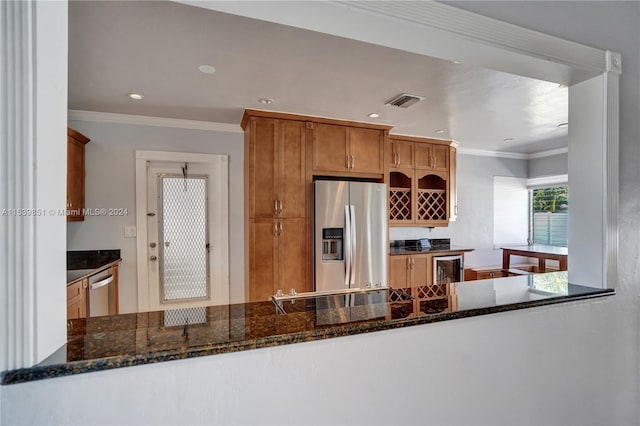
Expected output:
(457, 62)
(135, 96)
(439, 131)
(207, 69)
(373, 115)
(562, 86)
(266, 101)
(507, 139)
(563, 124)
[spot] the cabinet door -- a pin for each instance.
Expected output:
(422, 155)
(431, 202)
(399, 271)
(263, 259)
(403, 154)
(453, 185)
(440, 155)
(262, 166)
(75, 180)
(366, 147)
(431, 156)
(77, 299)
(291, 168)
(330, 148)
(420, 270)
(292, 253)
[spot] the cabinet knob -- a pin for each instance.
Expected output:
(153, 258)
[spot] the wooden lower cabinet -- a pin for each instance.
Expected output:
(489, 272)
(410, 270)
(278, 256)
(77, 299)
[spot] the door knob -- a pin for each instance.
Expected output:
(153, 258)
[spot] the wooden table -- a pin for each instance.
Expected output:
(540, 252)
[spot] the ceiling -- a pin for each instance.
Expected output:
(155, 48)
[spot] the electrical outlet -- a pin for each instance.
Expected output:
(130, 232)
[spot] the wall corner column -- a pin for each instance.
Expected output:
(33, 107)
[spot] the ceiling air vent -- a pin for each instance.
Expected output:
(404, 100)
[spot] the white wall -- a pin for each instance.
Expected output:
(523, 367)
(552, 165)
(110, 182)
(566, 364)
(50, 175)
(588, 164)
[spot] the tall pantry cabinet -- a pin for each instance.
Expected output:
(277, 233)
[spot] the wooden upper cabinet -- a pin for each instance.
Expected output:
(453, 184)
(401, 154)
(292, 170)
(343, 150)
(263, 156)
(422, 181)
(366, 147)
(277, 161)
(330, 148)
(75, 175)
(432, 156)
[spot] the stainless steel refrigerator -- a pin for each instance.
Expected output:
(351, 239)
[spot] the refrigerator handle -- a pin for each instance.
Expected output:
(353, 246)
(347, 246)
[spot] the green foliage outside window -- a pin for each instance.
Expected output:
(552, 199)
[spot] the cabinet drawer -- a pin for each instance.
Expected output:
(75, 290)
(485, 275)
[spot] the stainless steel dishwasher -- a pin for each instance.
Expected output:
(101, 293)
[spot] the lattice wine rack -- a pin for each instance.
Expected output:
(432, 204)
(400, 204)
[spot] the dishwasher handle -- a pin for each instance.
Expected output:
(101, 283)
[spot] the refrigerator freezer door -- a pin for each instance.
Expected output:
(331, 197)
(369, 201)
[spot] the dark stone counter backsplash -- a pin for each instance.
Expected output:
(91, 259)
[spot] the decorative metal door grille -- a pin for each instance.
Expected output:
(400, 204)
(185, 316)
(432, 204)
(183, 240)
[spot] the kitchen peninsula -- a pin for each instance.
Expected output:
(116, 341)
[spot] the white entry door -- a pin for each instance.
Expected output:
(186, 253)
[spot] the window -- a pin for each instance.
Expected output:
(549, 217)
(531, 211)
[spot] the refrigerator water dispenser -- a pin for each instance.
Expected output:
(332, 244)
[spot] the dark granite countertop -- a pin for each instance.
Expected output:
(79, 274)
(83, 263)
(101, 343)
(393, 251)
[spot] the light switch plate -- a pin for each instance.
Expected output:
(130, 232)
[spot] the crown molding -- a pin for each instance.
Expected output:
(548, 153)
(143, 120)
(488, 153)
(512, 155)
